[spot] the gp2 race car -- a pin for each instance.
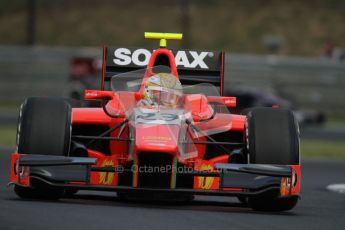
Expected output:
(161, 131)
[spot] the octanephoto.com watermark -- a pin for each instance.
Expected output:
(156, 169)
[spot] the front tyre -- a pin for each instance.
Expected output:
(272, 137)
(44, 128)
(272, 204)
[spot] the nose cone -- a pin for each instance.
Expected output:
(156, 138)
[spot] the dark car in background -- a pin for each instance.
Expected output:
(85, 73)
(250, 97)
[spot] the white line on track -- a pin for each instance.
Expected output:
(340, 188)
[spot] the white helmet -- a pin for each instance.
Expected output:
(163, 88)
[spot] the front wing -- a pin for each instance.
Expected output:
(223, 179)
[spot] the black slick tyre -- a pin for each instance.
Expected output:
(272, 137)
(44, 128)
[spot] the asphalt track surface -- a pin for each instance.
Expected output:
(318, 208)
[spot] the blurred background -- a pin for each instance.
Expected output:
(289, 54)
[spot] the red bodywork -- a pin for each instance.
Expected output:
(150, 139)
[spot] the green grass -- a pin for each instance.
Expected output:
(309, 148)
(7, 136)
(9, 105)
(323, 149)
(338, 121)
(236, 26)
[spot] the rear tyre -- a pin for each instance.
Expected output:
(272, 137)
(44, 127)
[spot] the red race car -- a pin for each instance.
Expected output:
(163, 130)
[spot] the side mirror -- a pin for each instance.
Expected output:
(98, 95)
(227, 101)
(198, 106)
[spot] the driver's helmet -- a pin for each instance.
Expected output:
(163, 88)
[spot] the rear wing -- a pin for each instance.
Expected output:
(193, 66)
